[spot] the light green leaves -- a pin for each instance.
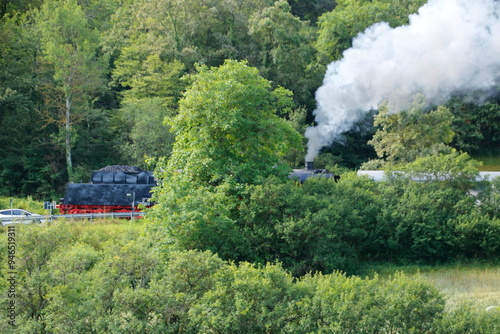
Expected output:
(228, 126)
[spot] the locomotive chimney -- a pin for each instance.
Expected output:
(309, 165)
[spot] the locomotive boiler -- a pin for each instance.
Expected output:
(303, 174)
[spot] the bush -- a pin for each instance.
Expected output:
(245, 299)
(418, 218)
(477, 236)
(339, 304)
(320, 225)
(128, 285)
(465, 319)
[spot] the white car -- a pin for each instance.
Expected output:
(11, 216)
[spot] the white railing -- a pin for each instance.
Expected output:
(48, 218)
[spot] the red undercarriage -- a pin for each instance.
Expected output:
(79, 209)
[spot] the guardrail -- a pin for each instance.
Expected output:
(49, 218)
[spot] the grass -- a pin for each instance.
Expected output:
(490, 162)
(476, 284)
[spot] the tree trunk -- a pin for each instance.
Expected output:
(69, 161)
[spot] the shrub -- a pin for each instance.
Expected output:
(339, 304)
(320, 225)
(465, 319)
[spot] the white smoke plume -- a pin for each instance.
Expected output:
(449, 47)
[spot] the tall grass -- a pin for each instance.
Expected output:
(474, 284)
(479, 286)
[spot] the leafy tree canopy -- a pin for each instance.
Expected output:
(405, 136)
(311, 9)
(338, 27)
(69, 49)
(228, 125)
(284, 50)
(21, 6)
(477, 126)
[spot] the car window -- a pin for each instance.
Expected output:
(17, 212)
(6, 212)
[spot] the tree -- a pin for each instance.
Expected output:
(228, 126)
(154, 90)
(13, 6)
(203, 31)
(285, 51)
(477, 126)
(311, 9)
(405, 136)
(350, 17)
(228, 134)
(69, 48)
(29, 165)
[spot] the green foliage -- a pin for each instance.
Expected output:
(421, 221)
(338, 304)
(149, 78)
(454, 170)
(422, 202)
(476, 126)
(69, 51)
(149, 136)
(318, 226)
(139, 50)
(284, 51)
(111, 278)
(25, 155)
(227, 126)
(423, 213)
(297, 119)
(477, 236)
(311, 9)
(99, 12)
(190, 217)
(154, 89)
(216, 194)
(245, 299)
(27, 203)
(468, 320)
(405, 136)
(203, 31)
(17, 6)
(489, 197)
(350, 17)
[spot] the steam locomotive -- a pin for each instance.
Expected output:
(303, 174)
(122, 188)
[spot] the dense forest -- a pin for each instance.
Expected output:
(215, 97)
(85, 84)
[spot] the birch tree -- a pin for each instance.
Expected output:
(69, 51)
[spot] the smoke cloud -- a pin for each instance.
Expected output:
(449, 47)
